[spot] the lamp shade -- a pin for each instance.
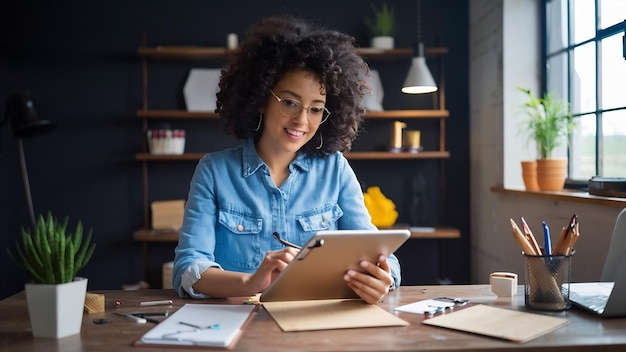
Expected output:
(419, 79)
(25, 121)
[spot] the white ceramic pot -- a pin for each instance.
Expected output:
(382, 42)
(56, 310)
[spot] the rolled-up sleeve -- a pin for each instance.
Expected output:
(196, 244)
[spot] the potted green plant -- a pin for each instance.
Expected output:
(549, 124)
(382, 26)
(52, 257)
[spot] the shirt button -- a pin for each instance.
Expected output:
(239, 227)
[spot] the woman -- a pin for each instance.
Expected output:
(293, 94)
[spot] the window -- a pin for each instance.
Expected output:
(586, 65)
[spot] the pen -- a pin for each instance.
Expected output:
(286, 243)
(149, 320)
(151, 314)
(547, 245)
(132, 317)
(155, 303)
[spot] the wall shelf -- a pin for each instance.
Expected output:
(218, 53)
(389, 114)
(350, 155)
(402, 155)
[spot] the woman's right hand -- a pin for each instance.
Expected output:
(273, 263)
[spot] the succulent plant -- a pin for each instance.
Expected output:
(383, 23)
(50, 255)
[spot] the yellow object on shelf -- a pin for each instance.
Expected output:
(381, 209)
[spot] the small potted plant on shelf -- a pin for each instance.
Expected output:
(52, 258)
(382, 26)
(549, 124)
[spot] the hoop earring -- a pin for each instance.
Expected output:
(258, 127)
(321, 142)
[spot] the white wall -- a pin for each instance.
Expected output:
(504, 52)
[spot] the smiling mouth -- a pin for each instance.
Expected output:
(294, 133)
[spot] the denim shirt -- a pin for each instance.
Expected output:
(233, 208)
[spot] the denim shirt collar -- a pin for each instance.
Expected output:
(252, 161)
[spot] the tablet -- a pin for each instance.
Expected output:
(317, 271)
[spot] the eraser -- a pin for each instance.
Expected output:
(503, 284)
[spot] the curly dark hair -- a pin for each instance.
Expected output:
(277, 45)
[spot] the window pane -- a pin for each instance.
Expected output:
(556, 25)
(614, 130)
(583, 24)
(613, 73)
(612, 12)
(583, 148)
(557, 75)
(584, 78)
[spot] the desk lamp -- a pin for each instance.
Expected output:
(419, 79)
(25, 122)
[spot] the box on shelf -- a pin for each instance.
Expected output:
(167, 274)
(167, 214)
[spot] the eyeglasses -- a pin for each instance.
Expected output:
(290, 108)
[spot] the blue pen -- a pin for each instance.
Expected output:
(546, 237)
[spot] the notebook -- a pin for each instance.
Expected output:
(317, 271)
(207, 325)
(498, 322)
(606, 298)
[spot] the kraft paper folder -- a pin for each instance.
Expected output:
(201, 325)
(497, 322)
(329, 314)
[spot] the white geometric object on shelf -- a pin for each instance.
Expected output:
(373, 99)
(200, 89)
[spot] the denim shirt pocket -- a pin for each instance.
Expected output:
(240, 223)
(238, 247)
(318, 219)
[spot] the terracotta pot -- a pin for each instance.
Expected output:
(551, 174)
(529, 173)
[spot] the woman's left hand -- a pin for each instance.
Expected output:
(373, 284)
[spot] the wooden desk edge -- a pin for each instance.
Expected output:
(150, 235)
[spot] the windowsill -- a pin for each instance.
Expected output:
(566, 195)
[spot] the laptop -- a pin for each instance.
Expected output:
(317, 271)
(606, 298)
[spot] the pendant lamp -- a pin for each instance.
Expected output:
(419, 79)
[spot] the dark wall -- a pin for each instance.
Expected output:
(79, 61)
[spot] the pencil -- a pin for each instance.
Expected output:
(522, 240)
(559, 242)
(569, 245)
(530, 237)
(562, 245)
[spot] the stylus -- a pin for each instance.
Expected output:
(286, 243)
(132, 317)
